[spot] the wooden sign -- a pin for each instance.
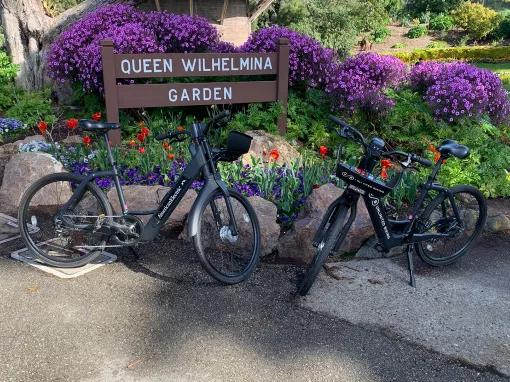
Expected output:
(178, 65)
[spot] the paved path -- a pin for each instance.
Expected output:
(462, 310)
(163, 319)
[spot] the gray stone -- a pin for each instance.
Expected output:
(266, 213)
(13, 148)
(22, 170)
(72, 140)
(142, 198)
(263, 143)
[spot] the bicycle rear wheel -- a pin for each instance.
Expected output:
(58, 242)
(333, 235)
(439, 217)
(227, 258)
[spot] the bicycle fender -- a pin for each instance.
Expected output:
(210, 186)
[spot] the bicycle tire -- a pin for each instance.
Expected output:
(333, 234)
(23, 218)
(422, 248)
(199, 239)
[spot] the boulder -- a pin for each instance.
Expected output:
(25, 168)
(143, 198)
(498, 215)
(296, 244)
(13, 148)
(72, 140)
(266, 213)
(263, 143)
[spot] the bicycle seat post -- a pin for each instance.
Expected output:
(116, 180)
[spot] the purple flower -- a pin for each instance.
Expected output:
(456, 90)
(359, 83)
(76, 54)
(309, 61)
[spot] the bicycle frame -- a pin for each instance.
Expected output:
(201, 165)
(390, 233)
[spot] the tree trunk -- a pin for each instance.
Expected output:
(29, 32)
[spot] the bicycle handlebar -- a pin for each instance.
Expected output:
(350, 132)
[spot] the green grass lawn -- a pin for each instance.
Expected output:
(501, 69)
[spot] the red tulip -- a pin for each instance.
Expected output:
(141, 150)
(145, 131)
(140, 137)
(42, 126)
(274, 154)
(72, 123)
(170, 156)
(166, 145)
(323, 150)
(87, 140)
(96, 116)
(132, 142)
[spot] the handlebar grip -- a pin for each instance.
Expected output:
(422, 161)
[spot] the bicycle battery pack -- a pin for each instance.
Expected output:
(361, 181)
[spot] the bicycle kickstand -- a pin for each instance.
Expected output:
(410, 265)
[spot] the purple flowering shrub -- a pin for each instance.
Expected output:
(360, 82)
(75, 54)
(457, 90)
(309, 61)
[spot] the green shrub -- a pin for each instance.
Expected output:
(437, 45)
(503, 29)
(418, 7)
(411, 126)
(477, 20)
(32, 107)
(380, 34)
(399, 45)
(8, 70)
(308, 118)
(472, 54)
(441, 23)
(417, 31)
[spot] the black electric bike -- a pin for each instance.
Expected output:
(77, 223)
(441, 229)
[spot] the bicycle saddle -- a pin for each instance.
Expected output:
(97, 127)
(450, 147)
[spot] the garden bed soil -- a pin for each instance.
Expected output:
(397, 36)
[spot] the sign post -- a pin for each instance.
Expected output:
(175, 65)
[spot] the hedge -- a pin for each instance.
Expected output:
(472, 54)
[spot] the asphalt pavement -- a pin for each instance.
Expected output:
(161, 318)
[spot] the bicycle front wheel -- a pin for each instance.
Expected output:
(439, 217)
(228, 258)
(59, 242)
(333, 234)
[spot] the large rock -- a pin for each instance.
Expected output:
(13, 148)
(143, 198)
(263, 143)
(266, 213)
(25, 168)
(498, 216)
(296, 244)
